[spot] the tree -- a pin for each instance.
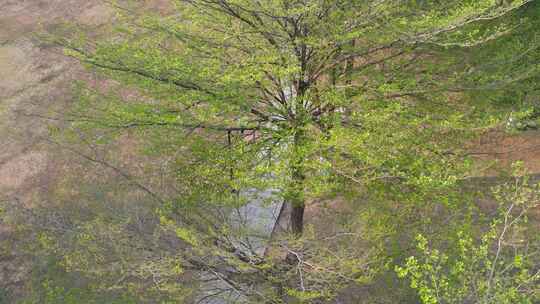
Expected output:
(308, 98)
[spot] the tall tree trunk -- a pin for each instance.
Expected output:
(291, 215)
(296, 194)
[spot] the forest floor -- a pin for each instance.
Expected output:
(34, 80)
